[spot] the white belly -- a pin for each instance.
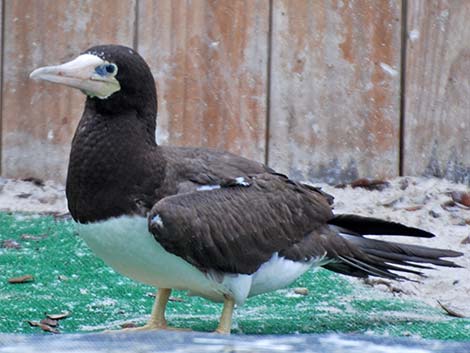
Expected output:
(125, 244)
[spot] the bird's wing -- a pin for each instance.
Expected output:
(239, 225)
(191, 168)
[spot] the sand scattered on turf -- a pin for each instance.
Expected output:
(419, 205)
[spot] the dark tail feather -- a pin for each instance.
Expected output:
(374, 226)
(363, 257)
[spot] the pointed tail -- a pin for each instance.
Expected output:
(363, 257)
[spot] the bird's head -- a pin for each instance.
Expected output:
(110, 75)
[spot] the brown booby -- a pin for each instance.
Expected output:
(217, 225)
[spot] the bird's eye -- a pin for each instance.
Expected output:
(110, 68)
(106, 69)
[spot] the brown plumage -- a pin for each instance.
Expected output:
(238, 227)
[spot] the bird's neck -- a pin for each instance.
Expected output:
(115, 165)
(120, 109)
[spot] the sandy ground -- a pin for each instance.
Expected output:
(418, 202)
(423, 203)
(32, 196)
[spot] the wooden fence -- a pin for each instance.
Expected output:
(318, 89)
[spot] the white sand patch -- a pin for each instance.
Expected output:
(419, 205)
(26, 196)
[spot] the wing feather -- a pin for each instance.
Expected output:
(238, 227)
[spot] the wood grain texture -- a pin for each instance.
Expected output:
(437, 139)
(335, 89)
(39, 118)
(209, 59)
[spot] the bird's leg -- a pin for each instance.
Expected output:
(157, 318)
(225, 323)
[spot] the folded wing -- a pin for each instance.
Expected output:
(239, 226)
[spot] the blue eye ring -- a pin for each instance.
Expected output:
(106, 69)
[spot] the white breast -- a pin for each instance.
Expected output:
(125, 244)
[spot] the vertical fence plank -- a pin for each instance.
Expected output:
(209, 59)
(39, 119)
(335, 89)
(437, 139)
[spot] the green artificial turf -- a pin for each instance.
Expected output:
(68, 277)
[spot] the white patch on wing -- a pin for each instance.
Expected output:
(157, 220)
(241, 181)
(208, 187)
(348, 236)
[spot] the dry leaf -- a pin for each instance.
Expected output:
(35, 181)
(33, 323)
(301, 291)
(21, 279)
(175, 299)
(23, 195)
(373, 282)
(450, 206)
(10, 244)
(370, 184)
(466, 240)
(461, 197)
(449, 311)
(58, 316)
(413, 208)
(128, 325)
(48, 328)
(49, 322)
(33, 237)
(43, 327)
(61, 215)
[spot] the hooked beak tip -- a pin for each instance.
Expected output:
(36, 74)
